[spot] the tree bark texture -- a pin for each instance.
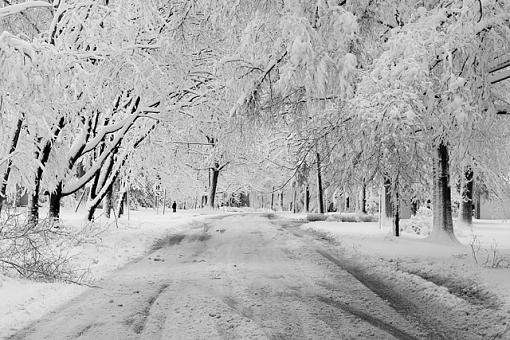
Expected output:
(388, 201)
(320, 199)
(55, 199)
(272, 199)
(107, 202)
(363, 200)
(466, 204)
(442, 212)
(215, 173)
(396, 217)
(414, 207)
(122, 200)
(307, 199)
(294, 200)
(42, 156)
(12, 149)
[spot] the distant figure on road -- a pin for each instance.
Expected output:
(174, 206)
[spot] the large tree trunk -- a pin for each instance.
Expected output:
(388, 201)
(12, 149)
(442, 213)
(55, 198)
(92, 196)
(363, 200)
(466, 204)
(282, 207)
(100, 180)
(107, 202)
(320, 199)
(214, 184)
(33, 201)
(122, 202)
(42, 156)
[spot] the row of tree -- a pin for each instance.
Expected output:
(355, 94)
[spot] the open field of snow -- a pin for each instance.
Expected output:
(112, 247)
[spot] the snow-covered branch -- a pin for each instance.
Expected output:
(16, 43)
(109, 129)
(72, 188)
(18, 8)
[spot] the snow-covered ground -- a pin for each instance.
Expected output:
(412, 256)
(112, 246)
(409, 260)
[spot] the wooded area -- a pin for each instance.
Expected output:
(213, 100)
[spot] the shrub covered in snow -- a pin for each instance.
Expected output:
(316, 217)
(419, 225)
(351, 217)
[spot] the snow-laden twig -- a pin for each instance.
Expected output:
(18, 8)
(492, 258)
(42, 251)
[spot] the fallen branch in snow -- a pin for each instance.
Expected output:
(41, 252)
(23, 271)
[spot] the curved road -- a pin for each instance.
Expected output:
(237, 277)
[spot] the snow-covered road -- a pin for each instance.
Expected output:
(242, 277)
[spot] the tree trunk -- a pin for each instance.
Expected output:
(363, 200)
(92, 197)
(122, 201)
(442, 212)
(282, 207)
(466, 204)
(55, 199)
(93, 187)
(102, 185)
(214, 184)
(396, 217)
(307, 199)
(388, 202)
(33, 203)
(478, 204)
(12, 149)
(414, 207)
(42, 156)
(107, 202)
(319, 186)
(272, 199)
(294, 200)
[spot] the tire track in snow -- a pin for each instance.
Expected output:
(397, 333)
(139, 320)
(88, 328)
(397, 301)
